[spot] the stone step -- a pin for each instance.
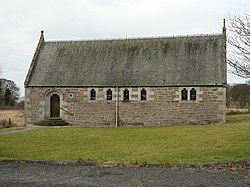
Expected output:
(52, 122)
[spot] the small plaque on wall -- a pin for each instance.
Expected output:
(71, 96)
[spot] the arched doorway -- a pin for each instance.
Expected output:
(54, 106)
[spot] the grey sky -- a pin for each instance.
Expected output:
(22, 21)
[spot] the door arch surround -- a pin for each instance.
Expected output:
(47, 96)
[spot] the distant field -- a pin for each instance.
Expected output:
(173, 144)
(16, 116)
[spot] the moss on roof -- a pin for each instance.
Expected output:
(170, 61)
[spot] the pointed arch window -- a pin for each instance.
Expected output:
(109, 94)
(192, 94)
(92, 94)
(126, 95)
(184, 94)
(143, 94)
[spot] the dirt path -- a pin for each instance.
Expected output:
(39, 174)
(27, 128)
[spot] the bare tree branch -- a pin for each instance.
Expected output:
(239, 39)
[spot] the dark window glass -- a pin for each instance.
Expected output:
(143, 94)
(126, 95)
(92, 94)
(193, 94)
(184, 94)
(109, 94)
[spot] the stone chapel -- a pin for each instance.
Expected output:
(178, 80)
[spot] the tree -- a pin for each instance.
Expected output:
(9, 92)
(239, 94)
(8, 100)
(229, 98)
(239, 40)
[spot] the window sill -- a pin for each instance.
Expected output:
(188, 101)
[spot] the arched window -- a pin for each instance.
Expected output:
(126, 95)
(143, 94)
(109, 94)
(184, 94)
(193, 94)
(92, 94)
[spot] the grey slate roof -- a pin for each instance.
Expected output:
(170, 61)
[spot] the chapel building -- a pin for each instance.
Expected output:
(178, 80)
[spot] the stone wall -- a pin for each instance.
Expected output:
(162, 107)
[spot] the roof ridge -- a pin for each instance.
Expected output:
(133, 38)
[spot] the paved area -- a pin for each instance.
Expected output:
(40, 174)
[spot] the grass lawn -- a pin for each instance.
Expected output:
(173, 144)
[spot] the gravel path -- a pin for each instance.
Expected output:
(40, 174)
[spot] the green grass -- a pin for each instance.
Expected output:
(239, 118)
(174, 144)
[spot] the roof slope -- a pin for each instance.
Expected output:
(171, 61)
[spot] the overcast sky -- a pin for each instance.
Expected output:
(22, 20)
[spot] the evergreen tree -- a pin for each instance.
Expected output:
(8, 100)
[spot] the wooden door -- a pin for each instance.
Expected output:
(54, 106)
